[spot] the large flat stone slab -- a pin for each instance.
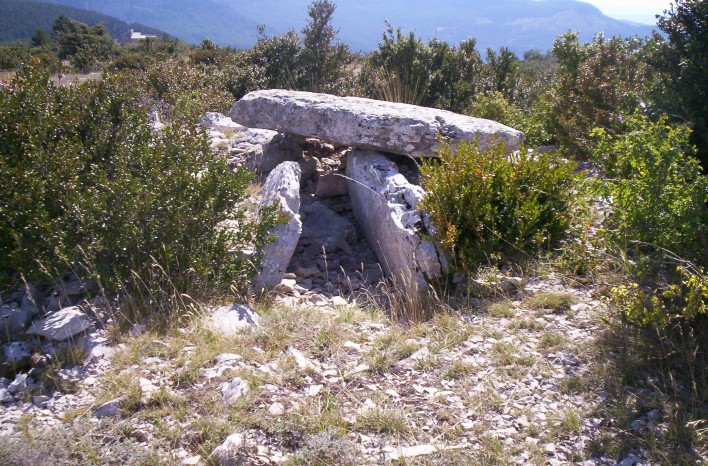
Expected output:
(366, 123)
(385, 205)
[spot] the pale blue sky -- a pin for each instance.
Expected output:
(641, 11)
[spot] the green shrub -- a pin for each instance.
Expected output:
(89, 185)
(13, 54)
(494, 106)
(404, 69)
(657, 191)
(685, 300)
(489, 205)
(596, 84)
(188, 90)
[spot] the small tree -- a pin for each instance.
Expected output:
(686, 25)
(84, 46)
(322, 59)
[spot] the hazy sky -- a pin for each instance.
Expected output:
(641, 11)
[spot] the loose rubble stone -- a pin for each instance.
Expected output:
(331, 185)
(301, 360)
(19, 385)
(370, 124)
(13, 320)
(110, 408)
(276, 409)
(323, 228)
(282, 188)
(61, 325)
(229, 320)
(232, 391)
(5, 396)
(229, 452)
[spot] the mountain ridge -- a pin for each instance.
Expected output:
(19, 19)
(518, 24)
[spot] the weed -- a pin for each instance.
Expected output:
(502, 309)
(383, 421)
(324, 449)
(551, 340)
(574, 385)
(557, 302)
(457, 370)
(504, 353)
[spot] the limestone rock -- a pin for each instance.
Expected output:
(232, 391)
(282, 188)
(15, 356)
(110, 408)
(385, 206)
(61, 325)
(323, 228)
(219, 122)
(228, 320)
(229, 453)
(370, 124)
(13, 320)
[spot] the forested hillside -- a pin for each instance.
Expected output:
(20, 19)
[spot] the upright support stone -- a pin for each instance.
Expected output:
(385, 206)
(281, 188)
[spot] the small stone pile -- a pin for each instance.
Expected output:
(41, 324)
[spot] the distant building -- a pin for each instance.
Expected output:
(131, 36)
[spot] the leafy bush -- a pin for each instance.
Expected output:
(13, 54)
(656, 189)
(189, 90)
(405, 69)
(88, 185)
(489, 205)
(596, 84)
(494, 106)
(686, 300)
(85, 46)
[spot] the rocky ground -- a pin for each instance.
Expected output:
(510, 379)
(337, 366)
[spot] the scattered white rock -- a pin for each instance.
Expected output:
(234, 390)
(229, 320)
(61, 325)
(19, 385)
(276, 409)
(227, 454)
(110, 408)
(301, 360)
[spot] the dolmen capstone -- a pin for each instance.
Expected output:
(384, 202)
(366, 123)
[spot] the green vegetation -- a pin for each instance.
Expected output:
(20, 20)
(488, 205)
(90, 187)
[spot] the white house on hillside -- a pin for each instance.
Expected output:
(131, 36)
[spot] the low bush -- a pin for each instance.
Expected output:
(488, 205)
(88, 185)
(657, 191)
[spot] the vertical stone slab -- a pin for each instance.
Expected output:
(281, 188)
(385, 205)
